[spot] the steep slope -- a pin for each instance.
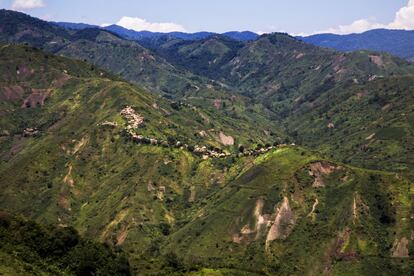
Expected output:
(28, 248)
(67, 156)
(396, 42)
(292, 202)
(131, 61)
(278, 63)
(21, 28)
(314, 92)
(136, 64)
(366, 124)
(203, 57)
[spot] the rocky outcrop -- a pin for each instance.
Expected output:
(283, 223)
(400, 248)
(319, 170)
(312, 212)
(261, 223)
(226, 140)
(68, 180)
(358, 207)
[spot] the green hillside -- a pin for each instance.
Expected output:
(289, 88)
(372, 126)
(28, 248)
(67, 159)
(324, 99)
(292, 202)
(63, 131)
(128, 59)
(213, 157)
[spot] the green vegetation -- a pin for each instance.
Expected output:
(340, 202)
(29, 248)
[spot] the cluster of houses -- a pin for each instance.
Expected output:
(134, 120)
(30, 132)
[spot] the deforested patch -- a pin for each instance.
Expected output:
(12, 93)
(400, 248)
(249, 233)
(319, 170)
(121, 237)
(118, 219)
(377, 60)
(226, 140)
(61, 80)
(283, 223)
(358, 207)
(24, 71)
(64, 202)
(339, 250)
(36, 98)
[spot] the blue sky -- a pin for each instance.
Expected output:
(293, 16)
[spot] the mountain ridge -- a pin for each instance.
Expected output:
(269, 150)
(138, 35)
(396, 42)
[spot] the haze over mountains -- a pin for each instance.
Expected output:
(396, 42)
(227, 154)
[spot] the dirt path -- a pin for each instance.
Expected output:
(314, 207)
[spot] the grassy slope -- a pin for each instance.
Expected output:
(133, 62)
(282, 80)
(208, 238)
(79, 174)
(154, 199)
(94, 178)
(306, 88)
(373, 126)
(28, 248)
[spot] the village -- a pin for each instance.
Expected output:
(134, 120)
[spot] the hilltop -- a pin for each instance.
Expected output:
(395, 42)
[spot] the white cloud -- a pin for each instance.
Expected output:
(139, 24)
(404, 19)
(357, 26)
(27, 4)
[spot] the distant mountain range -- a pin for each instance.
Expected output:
(138, 35)
(396, 42)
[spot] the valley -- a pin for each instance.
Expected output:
(219, 155)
